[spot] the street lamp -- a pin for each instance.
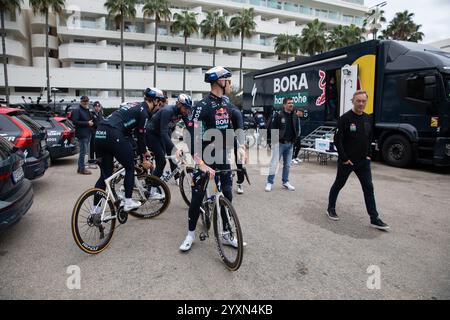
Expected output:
(375, 16)
(54, 90)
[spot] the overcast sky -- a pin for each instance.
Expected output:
(433, 15)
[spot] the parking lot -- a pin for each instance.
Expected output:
(294, 251)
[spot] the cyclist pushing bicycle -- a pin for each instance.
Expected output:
(212, 112)
(114, 139)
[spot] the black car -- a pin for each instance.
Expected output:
(61, 140)
(16, 192)
(28, 136)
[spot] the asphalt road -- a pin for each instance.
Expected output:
(294, 251)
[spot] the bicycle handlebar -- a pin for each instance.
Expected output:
(244, 170)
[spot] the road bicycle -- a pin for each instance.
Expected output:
(226, 224)
(185, 173)
(96, 211)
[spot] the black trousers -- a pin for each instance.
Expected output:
(112, 143)
(297, 147)
(363, 172)
(240, 174)
(198, 191)
(92, 152)
(155, 145)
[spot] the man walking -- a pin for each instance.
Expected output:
(353, 143)
(81, 118)
(289, 127)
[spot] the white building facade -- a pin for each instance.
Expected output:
(84, 48)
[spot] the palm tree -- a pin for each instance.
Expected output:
(373, 20)
(159, 9)
(185, 23)
(212, 26)
(121, 9)
(402, 27)
(243, 25)
(342, 36)
(43, 7)
(287, 44)
(6, 6)
(313, 39)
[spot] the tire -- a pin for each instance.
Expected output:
(150, 208)
(84, 230)
(397, 151)
(185, 184)
(232, 257)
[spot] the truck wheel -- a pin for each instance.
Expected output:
(397, 151)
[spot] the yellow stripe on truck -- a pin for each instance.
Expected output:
(366, 76)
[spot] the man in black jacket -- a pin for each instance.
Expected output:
(288, 126)
(353, 142)
(97, 117)
(81, 118)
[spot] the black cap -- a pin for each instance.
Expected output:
(84, 98)
(97, 103)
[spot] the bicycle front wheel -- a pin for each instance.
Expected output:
(186, 185)
(90, 233)
(228, 234)
(153, 193)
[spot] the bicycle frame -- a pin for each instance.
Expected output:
(110, 194)
(181, 166)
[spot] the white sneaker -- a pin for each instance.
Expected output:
(294, 161)
(299, 160)
(288, 186)
(187, 244)
(240, 190)
(232, 243)
(131, 204)
(155, 195)
(268, 187)
(227, 241)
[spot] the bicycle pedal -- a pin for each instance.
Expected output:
(203, 236)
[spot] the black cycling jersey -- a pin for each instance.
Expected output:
(161, 123)
(128, 119)
(211, 112)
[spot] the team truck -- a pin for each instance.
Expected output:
(408, 85)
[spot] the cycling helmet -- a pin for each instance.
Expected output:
(154, 93)
(185, 100)
(217, 73)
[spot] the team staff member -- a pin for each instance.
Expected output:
(158, 133)
(289, 128)
(353, 143)
(212, 112)
(113, 139)
(97, 117)
(81, 118)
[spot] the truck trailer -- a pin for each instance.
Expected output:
(408, 85)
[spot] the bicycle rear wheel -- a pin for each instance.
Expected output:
(90, 234)
(186, 185)
(228, 234)
(154, 196)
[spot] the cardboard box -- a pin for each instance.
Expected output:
(322, 144)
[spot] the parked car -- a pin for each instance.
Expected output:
(16, 192)
(28, 136)
(61, 140)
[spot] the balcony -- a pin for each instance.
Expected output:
(39, 62)
(15, 49)
(40, 20)
(38, 41)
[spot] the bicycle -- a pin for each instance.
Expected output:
(185, 177)
(227, 227)
(93, 224)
